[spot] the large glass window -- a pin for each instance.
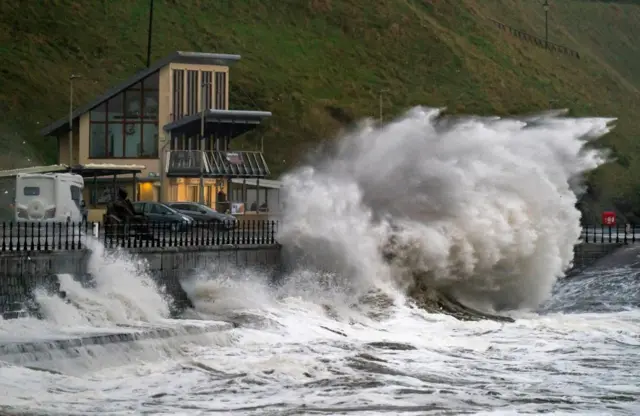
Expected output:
(192, 92)
(126, 126)
(221, 90)
(150, 140)
(115, 142)
(178, 94)
(99, 113)
(133, 140)
(133, 103)
(207, 81)
(98, 143)
(114, 108)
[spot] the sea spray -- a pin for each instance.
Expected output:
(481, 209)
(121, 292)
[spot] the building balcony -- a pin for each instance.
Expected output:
(216, 164)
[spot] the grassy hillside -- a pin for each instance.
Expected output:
(317, 64)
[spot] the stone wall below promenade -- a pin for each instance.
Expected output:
(587, 254)
(22, 273)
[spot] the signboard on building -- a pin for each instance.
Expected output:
(237, 208)
(609, 218)
(234, 158)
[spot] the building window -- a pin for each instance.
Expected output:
(221, 91)
(192, 92)
(178, 94)
(126, 126)
(193, 193)
(208, 195)
(207, 81)
(98, 143)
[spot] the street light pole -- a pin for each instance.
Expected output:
(545, 6)
(150, 31)
(202, 142)
(71, 78)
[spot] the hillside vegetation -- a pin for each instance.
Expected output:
(320, 64)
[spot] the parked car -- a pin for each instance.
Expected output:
(203, 213)
(157, 212)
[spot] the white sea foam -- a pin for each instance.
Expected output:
(121, 292)
(483, 208)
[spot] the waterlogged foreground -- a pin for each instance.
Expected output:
(291, 356)
(480, 211)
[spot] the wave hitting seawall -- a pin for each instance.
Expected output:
(453, 211)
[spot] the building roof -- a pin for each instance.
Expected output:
(87, 170)
(62, 125)
(238, 121)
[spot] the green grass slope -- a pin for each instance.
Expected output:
(319, 64)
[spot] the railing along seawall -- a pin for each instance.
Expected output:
(37, 236)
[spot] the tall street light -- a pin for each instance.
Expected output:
(203, 94)
(71, 78)
(545, 6)
(149, 34)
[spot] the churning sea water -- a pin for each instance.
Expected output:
(480, 209)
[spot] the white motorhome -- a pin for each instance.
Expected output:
(51, 197)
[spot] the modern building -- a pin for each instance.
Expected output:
(155, 119)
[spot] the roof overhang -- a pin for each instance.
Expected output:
(95, 170)
(225, 123)
(89, 170)
(201, 58)
(256, 182)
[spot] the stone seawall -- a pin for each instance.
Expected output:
(587, 254)
(22, 273)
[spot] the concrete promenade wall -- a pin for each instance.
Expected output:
(22, 273)
(587, 254)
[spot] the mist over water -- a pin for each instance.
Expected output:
(481, 208)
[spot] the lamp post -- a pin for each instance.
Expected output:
(545, 6)
(205, 84)
(71, 78)
(150, 30)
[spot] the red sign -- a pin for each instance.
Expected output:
(609, 218)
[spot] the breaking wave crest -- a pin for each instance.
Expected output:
(479, 209)
(121, 292)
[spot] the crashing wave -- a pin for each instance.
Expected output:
(451, 210)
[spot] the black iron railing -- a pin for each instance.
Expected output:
(617, 234)
(240, 164)
(33, 236)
